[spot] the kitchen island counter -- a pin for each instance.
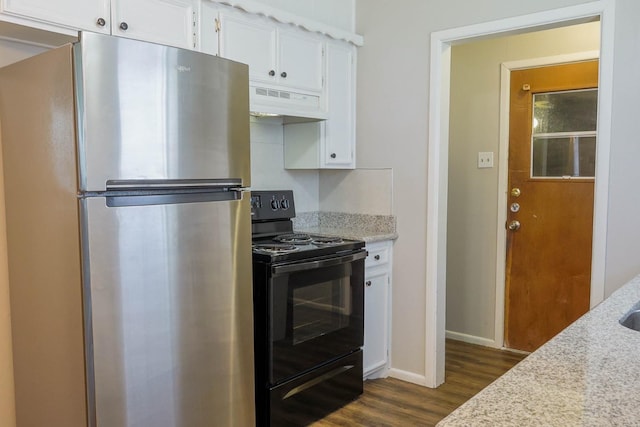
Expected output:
(587, 375)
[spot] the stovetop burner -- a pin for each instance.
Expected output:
(319, 240)
(295, 238)
(275, 248)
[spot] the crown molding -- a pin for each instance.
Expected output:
(285, 17)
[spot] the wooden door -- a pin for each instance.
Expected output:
(550, 200)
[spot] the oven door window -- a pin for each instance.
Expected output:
(316, 316)
(320, 309)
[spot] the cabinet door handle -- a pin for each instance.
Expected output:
(124, 26)
(101, 22)
(333, 155)
(283, 75)
(368, 283)
(272, 73)
(377, 257)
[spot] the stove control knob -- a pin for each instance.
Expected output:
(285, 204)
(275, 205)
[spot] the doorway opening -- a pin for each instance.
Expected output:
(439, 122)
(477, 211)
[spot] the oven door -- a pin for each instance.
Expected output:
(316, 313)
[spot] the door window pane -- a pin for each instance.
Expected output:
(564, 156)
(564, 134)
(570, 111)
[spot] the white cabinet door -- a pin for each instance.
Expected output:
(375, 322)
(377, 309)
(330, 144)
(168, 22)
(300, 60)
(92, 15)
(340, 136)
(250, 40)
(289, 58)
(209, 28)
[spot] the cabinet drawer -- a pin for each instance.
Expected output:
(378, 254)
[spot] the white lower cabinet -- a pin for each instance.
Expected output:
(377, 309)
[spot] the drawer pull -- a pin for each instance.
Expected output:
(377, 257)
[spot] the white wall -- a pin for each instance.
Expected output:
(9, 52)
(473, 193)
(393, 88)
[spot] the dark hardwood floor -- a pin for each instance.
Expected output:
(391, 402)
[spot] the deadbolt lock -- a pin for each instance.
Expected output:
(515, 207)
(515, 192)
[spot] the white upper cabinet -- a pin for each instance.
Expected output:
(329, 144)
(340, 130)
(169, 22)
(250, 40)
(300, 57)
(276, 55)
(91, 15)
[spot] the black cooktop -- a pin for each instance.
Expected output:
(274, 239)
(305, 246)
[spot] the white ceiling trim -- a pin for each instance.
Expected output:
(284, 17)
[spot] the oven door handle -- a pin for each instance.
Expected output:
(292, 268)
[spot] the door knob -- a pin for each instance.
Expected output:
(515, 192)
(514, 225)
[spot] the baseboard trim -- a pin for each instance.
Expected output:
(472, 339)
(409, 377)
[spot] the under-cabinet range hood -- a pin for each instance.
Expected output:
(291, 106)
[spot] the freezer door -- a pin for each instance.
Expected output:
(152, 112)
(168, 302)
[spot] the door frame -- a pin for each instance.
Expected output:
(438, 145)
(503, 177)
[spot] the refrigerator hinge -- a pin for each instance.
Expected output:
(195, 32)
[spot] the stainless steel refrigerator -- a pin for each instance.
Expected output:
(128, 227)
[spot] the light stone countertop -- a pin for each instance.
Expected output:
(370, 228)
(587, 375)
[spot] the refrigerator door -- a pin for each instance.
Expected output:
(152, 112)
(169, 302)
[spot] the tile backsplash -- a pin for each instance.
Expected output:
(267, 166)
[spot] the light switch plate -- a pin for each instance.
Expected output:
(485, 159)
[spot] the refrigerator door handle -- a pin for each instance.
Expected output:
(170, 184)
(116, 200)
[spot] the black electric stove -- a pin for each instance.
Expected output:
(308, 316)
